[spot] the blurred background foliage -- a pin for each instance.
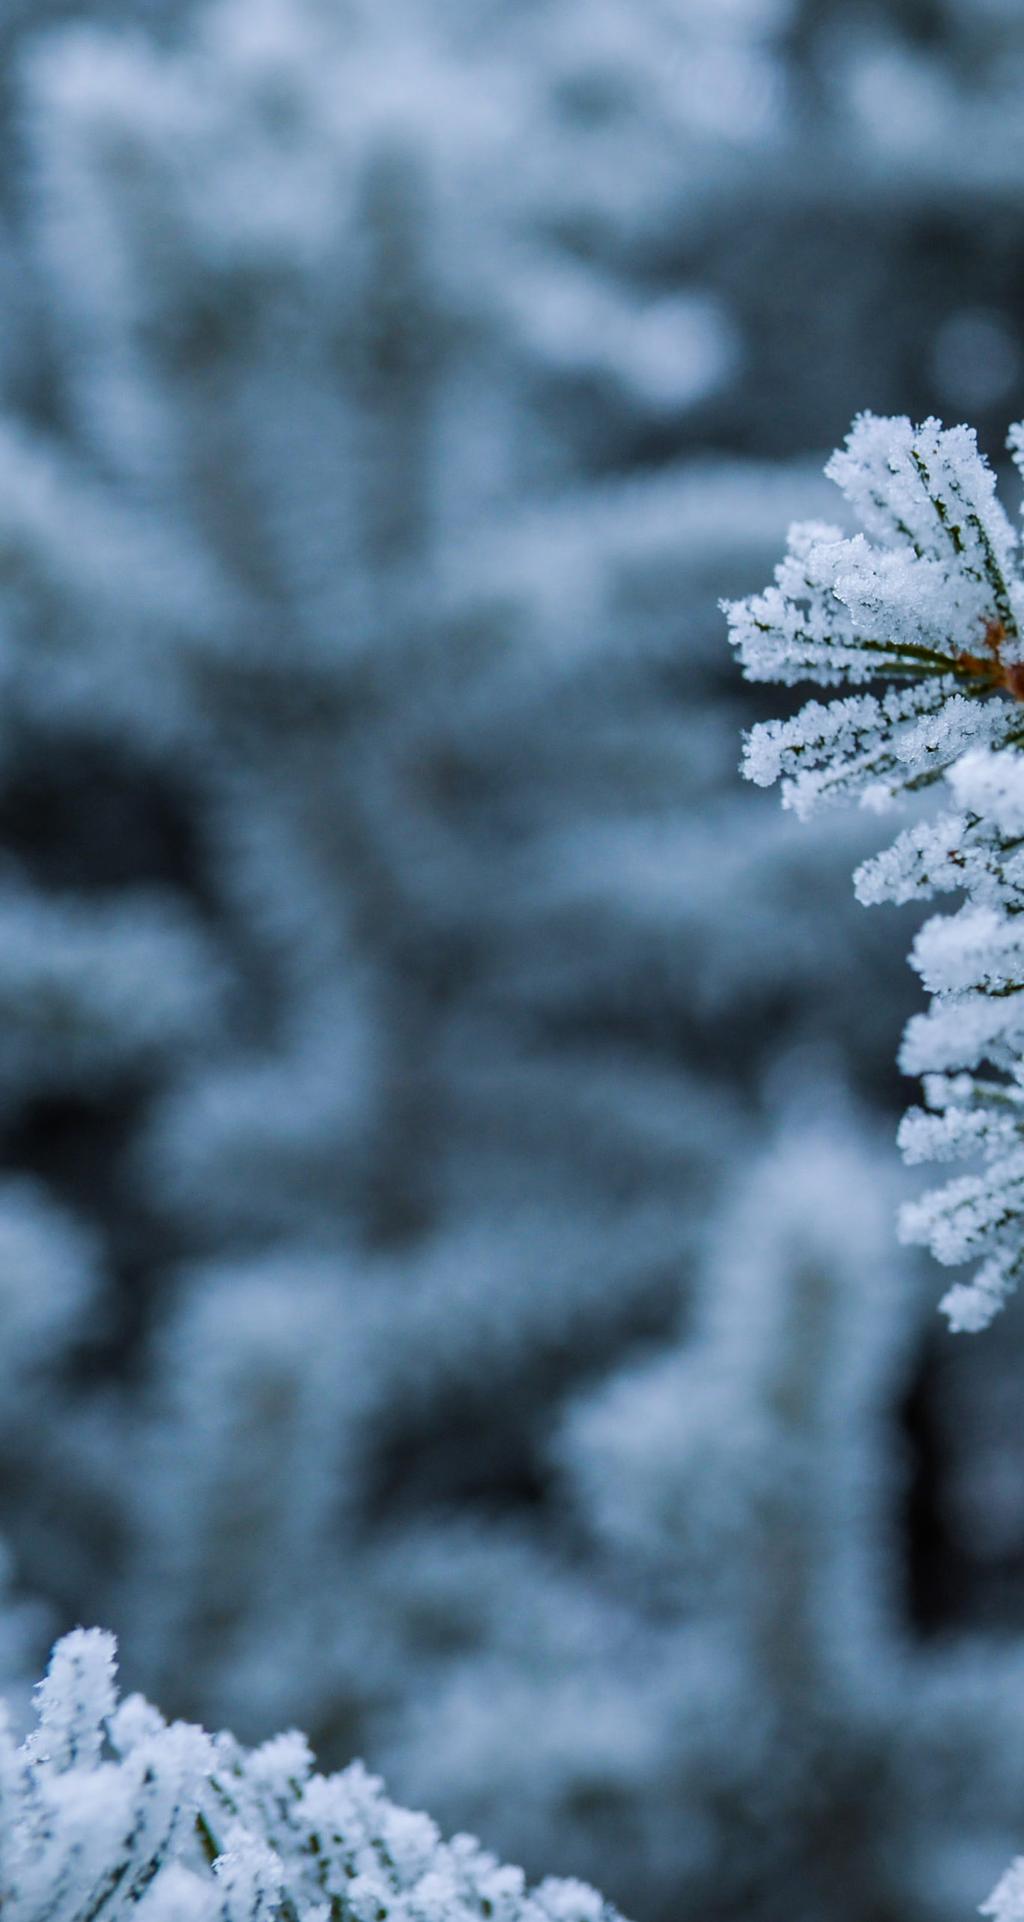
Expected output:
(448, 1291)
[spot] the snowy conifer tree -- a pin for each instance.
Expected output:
(340, 839)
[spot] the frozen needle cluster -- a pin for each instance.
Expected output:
(106, 1811)
(921, 614)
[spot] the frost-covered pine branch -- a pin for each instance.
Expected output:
(922, 614)
(107, 1811)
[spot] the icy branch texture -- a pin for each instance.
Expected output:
(107, 1811)
(923, 611)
